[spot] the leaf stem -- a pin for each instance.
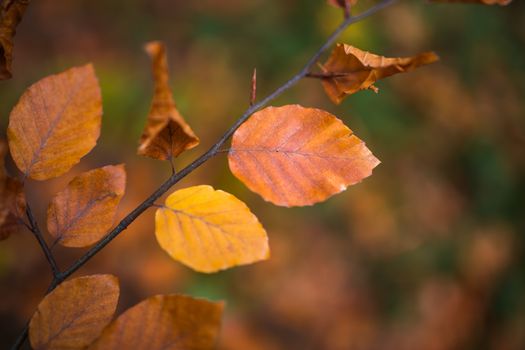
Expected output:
(210, 153)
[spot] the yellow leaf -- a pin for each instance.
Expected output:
(164, 322)
(84, 211)
(166, 134)
(209, 230)
(349, 70)
(55, 123)
(296, 156)
(12, 199)
(74, 314)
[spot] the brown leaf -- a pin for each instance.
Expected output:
(55, 123)
(349, 70)
(11, 12)
(74, 314)
(164, 322)
(84, 211)
(166, 134)
(210, 230)
(12, 199)
(482, 2)
(296, 156)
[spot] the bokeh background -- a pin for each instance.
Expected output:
(425, 254)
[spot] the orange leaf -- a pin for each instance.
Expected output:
(74, 314)
(84, 211)
(349, 70)
(482, 2)
(12, 199)
(209, 230)
(55, 123)
(11, 12)
(295, 156)
(164, 322)
(166, 134)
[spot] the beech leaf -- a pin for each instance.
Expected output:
(11, 12)
(482, 2)
(209, 230)
(166, 134)
(84, 211)
(74, 314)
(296, 156)
(164, 322)
(12, 199)
(55, 123)
(350, 69)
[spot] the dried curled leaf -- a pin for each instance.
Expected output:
(84, 211)
(349, 70)
(11, 12)
(482, 2)
(55, 123)
(12, 199)
(166, 134)
(74, 314)
(296, 156)
(164, 322)
(209, 230)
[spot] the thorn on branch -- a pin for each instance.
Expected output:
(253, 95)
(348, 9)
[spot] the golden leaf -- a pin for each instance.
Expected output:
(74, 314)
(11, 12)
(55, 123)
(166, 134)
(164, 322)
(84, 211)
(349, 70)
(209, 230)
(12, 199)
(296, 156)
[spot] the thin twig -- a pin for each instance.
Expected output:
(326, 75)
(33, 227)
(210, 153)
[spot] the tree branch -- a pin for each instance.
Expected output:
(33, 227)
(214, 150)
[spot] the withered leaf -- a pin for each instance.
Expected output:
(74, 314)
(12, 199)
(55, 123)
(209, 230)
(164, 322)
(482, 2)
(166, 134)
(350, 69)
(11, 12)
(84, 211)
(296, 156)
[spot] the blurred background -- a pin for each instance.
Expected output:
(425, 254)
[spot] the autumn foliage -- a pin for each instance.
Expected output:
(290, 155)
